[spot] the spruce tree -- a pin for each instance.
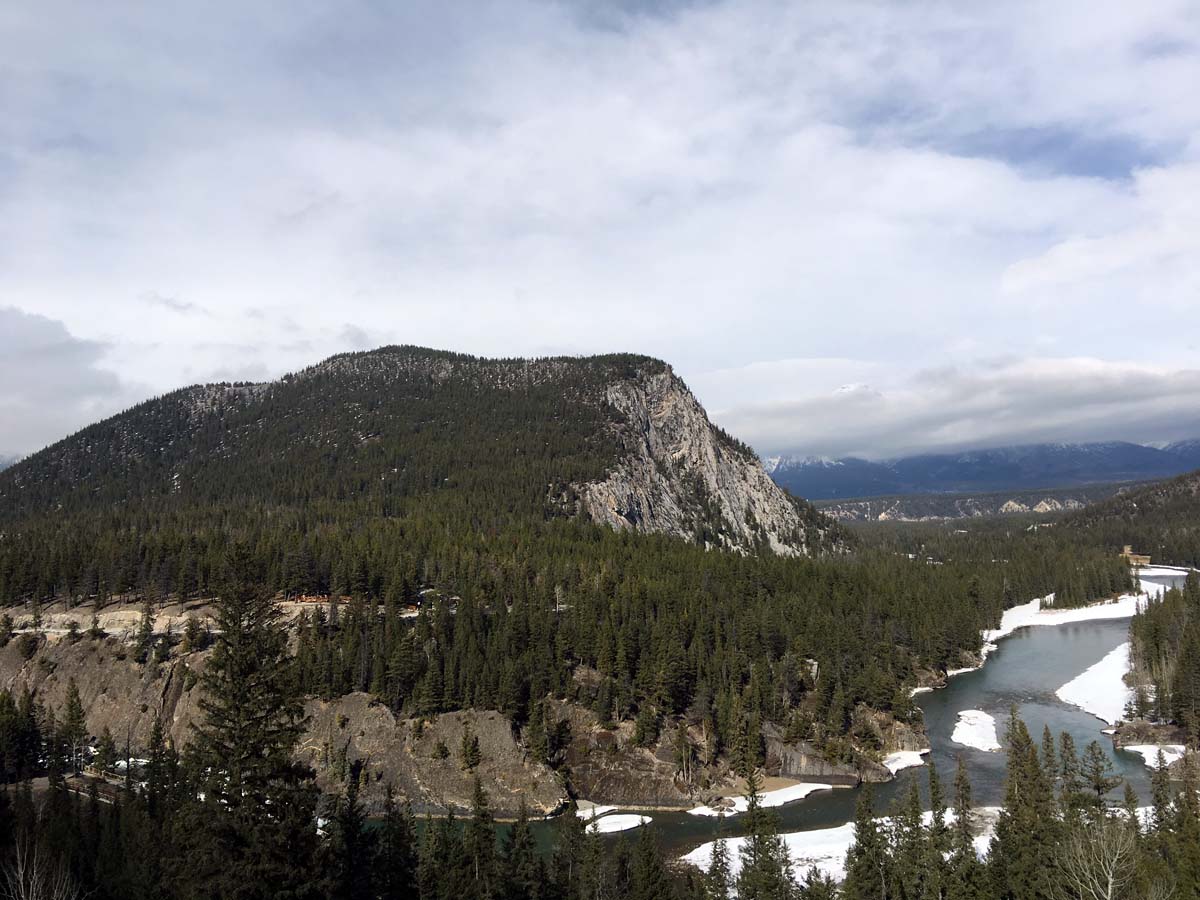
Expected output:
(650, 878)
(522, 866)
(720, 877)
(1099, 778)
(479, 844)
(965, 880)
(868, 868)
(353, 847)
(396, 852)
(1021, 859)
(74, 727)
(765, 872)
(254, 833)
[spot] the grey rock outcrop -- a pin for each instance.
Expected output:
(682, 476)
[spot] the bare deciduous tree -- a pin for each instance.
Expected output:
(1098, 862)
(29, 875)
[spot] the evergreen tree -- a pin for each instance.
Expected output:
(253, 834)
(965, 880)
(868, 869)
(74, 727)
(522, 866)
(1021, 858)
(353, 849)
(720, 876)
(479, 844)
(765, 872)
(469, 753)
(395, 854)
(650, 878)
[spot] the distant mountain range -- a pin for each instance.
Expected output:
(1021, 468)
(6, 461)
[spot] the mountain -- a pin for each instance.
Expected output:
(6, 461)
(1161, 520)
(404, 430)
(1018, 468)
(933, 507)
(1187, 452)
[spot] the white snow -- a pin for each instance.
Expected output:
(613, 824)
(588, 810)
(904, 759)
(920, 690)
(977, 729)
(1031, 614)
(826, 848)
(778, 797)
(1163, 571)
(1101, 689)
(1149, 752)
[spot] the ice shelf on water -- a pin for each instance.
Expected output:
(612, 824)
(779, 797)
(904, 759)
(977, 729)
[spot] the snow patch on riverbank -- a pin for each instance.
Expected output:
(1031, 615)
(977, 729)
(826, 848)
(1149, 752)
(585, 809)
(1100, 689)
(904, 759)
(767, 799)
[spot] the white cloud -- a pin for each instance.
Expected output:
(881, 188)
(985, 404)
(50, 382)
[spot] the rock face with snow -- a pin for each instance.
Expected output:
(681, 475)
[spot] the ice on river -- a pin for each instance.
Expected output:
(977, 729)
(778, 797)
(613, 824)
(1100, 689)
(904, 759)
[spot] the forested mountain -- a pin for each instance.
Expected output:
(981, 471)
(403, 431)
(1162, 520)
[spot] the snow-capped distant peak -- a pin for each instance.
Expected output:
(775, 464)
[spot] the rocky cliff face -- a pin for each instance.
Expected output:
(126, 697)
(682, 476)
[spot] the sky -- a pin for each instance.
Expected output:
(853, 228)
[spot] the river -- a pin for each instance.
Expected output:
(1026, 669)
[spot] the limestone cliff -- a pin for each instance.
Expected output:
(681, 475)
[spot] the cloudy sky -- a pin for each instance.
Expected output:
(865, 228)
